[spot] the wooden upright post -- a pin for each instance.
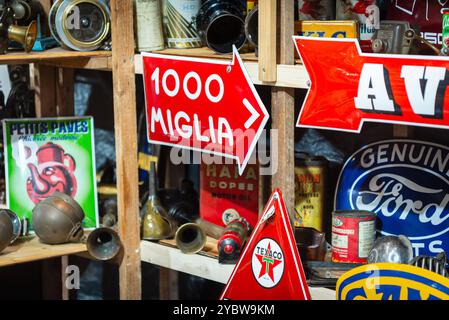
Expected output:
(283, 109)
(267, 41)
(125, 119)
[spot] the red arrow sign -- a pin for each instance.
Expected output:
(270, 267)
(203, 105)
(349, 87)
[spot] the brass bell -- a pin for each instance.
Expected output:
(24, 35)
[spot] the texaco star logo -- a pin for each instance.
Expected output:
(267, 263)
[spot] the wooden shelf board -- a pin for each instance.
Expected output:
(32, 250)
(165, 254)
(288, 76)
(205, 52)
(49, 55)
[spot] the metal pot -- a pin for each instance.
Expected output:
(6, 230)
(58, 219)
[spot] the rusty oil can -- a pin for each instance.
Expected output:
(310, 189)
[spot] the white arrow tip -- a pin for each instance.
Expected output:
(254, 114)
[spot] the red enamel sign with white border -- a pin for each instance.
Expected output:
(203, 105)
(270, 267)
(348, 87)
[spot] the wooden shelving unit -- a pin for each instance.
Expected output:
(53, 81)
(53, 78)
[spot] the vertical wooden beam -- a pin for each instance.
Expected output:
(125, 119)
(53, 279)
(401, 131)
(65, 97)
(168, 284)
(283, 109)
(44, 83)
(267, 40)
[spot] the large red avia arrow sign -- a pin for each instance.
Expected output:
(203, 105)
(349, 87)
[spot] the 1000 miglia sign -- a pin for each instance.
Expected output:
(406, 183)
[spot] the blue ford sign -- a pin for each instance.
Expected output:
(406, 183)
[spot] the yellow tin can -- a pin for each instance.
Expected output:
(327, 29)
(310, 189)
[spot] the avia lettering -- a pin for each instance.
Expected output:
(375, 93)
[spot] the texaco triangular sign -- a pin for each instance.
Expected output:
(270, 267)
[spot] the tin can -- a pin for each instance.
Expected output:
(310, 183)
(353, 235)
(179, 22)
(445, 39)
(149, 33)
(316, 9)
(366, 13)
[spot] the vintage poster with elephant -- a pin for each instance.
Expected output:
(47, 155)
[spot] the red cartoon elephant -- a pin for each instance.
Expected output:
(54, 172)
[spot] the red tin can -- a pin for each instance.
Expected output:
(353, 235)
(225, 195)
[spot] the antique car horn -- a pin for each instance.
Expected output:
(24, 35)
(104, 244)
(220, 24)
(190, 238)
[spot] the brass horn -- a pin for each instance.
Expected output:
(104, 244)
(190, 238)
(24, 35)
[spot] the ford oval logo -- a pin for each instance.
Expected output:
(406, 183)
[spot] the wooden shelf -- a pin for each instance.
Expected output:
(32, 250)
(51, 54)
(288, 76)
(202, 265)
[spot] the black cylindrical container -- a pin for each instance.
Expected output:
(221, 24)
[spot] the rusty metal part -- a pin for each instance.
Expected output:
(311, 244)
(393, 37)
(436, 264)
(58, 219)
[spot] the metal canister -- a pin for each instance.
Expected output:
(180, 24)
(353, 235)
(232, 240)
(316, 9)
(310, 184)
(445, 39)
(148, 25)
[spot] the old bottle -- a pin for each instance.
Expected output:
(155, 225)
